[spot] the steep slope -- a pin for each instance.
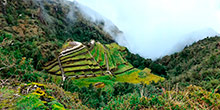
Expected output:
(77, 60)
(56, 18)
(197, 64)
(38, 35)
(47, 25)
(38, 29)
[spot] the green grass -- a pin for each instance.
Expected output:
(75, 53)
(97, 55)
(52, 65)
(57, 79)
(54, 69)
(7, 98)
(77, 68)
(132, 76)
(83, 62)
(102, 60)
(122, 68)
(30, 102)
(116, 62)
(135, 76)
(108, 80)
(118, 47)
(93, 51)
(117, 56)
(98, 72)
(75, 73)
(85, 56)
(111, 61)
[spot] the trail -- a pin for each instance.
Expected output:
(61, 69)
(106, 59)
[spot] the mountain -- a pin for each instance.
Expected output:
(54, 55)
(197, 64)
(192, 37)
(79, 61)
(52, 20)
(46, 55)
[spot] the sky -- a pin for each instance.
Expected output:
(153, 28)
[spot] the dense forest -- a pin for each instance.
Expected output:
(33, 33)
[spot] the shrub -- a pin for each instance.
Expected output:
(30, 102)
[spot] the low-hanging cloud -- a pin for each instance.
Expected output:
(154, 27)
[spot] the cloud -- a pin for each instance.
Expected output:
(153, 27)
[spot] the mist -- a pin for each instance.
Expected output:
(154, 28)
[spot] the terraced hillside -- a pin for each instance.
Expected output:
(77, 61)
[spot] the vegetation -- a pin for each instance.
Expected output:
(197, 64)
(33, 33)
(139, 62)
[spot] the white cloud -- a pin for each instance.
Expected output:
(153, 27)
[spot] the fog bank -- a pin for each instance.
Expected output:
(153, 28)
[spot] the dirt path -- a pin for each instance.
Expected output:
(61, 69)
(106, 59)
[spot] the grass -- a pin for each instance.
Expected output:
(93, 51)
(97, 52)
(75, 73)
(30, 102)
(122, 68)
(102, 55)
(54, 69)
(75, 53)
(56, 79)
(134, 76)
(70, 55)
(108, 80)
(116, 62)
(131, 76)
(83, 62)
(98, 72)
(85, 56)
(7, 98)
(117, 56)
(120, 48)
(111, 61)
(78, 68)
(102, 58)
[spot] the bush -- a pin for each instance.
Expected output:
(30, 102)
(123, 88)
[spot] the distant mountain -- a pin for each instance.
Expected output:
(192, 37)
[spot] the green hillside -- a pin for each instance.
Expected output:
(197, 64)
(96, 60)
(49, 61)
